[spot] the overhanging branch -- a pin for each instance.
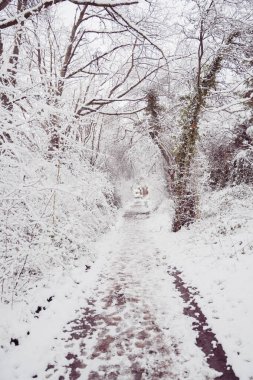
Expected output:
(48, 3)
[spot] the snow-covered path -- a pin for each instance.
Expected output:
(132, 326)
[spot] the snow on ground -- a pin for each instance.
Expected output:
(151, 332)
(36, 332)
(147, 331)
(215, 255)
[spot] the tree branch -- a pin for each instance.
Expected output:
(91, 110)
(135, 28)
(96, 59)
(4, 4)
(48, 3)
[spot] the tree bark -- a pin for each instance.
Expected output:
(178, 170)
(10, 79)
(55, 139)
(186, 200)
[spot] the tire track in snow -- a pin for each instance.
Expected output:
(206, 340)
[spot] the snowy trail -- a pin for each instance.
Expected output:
(130, 323)
(133, 326)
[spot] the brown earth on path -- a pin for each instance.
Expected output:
(120, 333)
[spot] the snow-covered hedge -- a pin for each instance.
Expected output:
(226, 220)
(50, 211)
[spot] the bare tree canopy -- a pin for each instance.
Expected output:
(25, 14)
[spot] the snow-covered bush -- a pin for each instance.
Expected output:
(50, 210)
(242, 171)
(227, 217)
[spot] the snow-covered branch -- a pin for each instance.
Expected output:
(133, 27)
(48, 3)
(4, 4)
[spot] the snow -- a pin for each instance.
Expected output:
(216, 256)
(33, 353)
(211, 258)
(249, 131)
(45, 3)
(139, 274)
(103, 3)
(72, 292)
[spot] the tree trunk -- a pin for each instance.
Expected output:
(186, 199)
(55, 138)
(10, 78)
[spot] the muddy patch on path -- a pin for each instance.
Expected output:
(126, 341)
(206, 339)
